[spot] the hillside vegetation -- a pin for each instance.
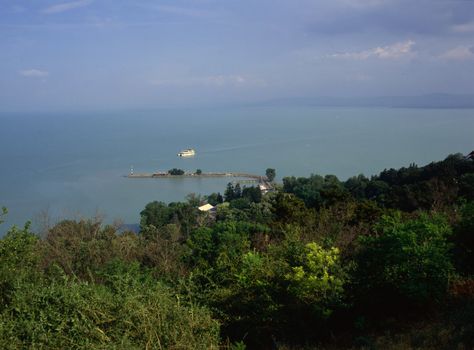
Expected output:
(369, 263)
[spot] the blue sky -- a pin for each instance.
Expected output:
(112, 54)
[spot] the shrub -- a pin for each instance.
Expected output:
(405, 261)
(131, 310)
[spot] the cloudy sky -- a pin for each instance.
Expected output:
(101, 54)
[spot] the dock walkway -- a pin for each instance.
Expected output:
(189, 174)
(261, 180)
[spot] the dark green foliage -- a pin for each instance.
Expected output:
(432, 186)
(466, 186)
(322, 262)
(357, 186)
(290, 209)
(270, 174)
(198, 172)
(18, 262)
(241, 203)
(129, 310)
(224, 242)
(463, 239)
(407, 262)
(176, 171)
(237, 191)
(158, 214)
(229, 193)
(409, 188)
(253, 194)
(215, 198)
(3, 214)
(316, 191)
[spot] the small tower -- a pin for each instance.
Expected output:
(131, 169)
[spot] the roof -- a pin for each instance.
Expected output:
(206, 207)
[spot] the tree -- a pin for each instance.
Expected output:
(253, 194)
(155, 213)
(407, 262)
(356, 185)
(319, 279)
(215, 198)
(229, 192)
(270, 173)
(176, 171)
(463, 238)
(198, 172)
(3, 214)
(237, 191)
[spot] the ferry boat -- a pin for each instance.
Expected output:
(187, 153)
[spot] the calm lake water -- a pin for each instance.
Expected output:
(72, 165)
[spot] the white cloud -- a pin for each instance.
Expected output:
(464, 28)
(34, 73)
(460, 53)
(211, 81)
(393, 51)
(65, 6)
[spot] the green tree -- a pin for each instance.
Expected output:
(270, 173)
(19, 262)
(406, 262)
(237, 191)
(319, 279)
(357, 185)
(156, 214)
(3, 214)
(198, 172)
(229, 193)
(253, 194)
(176, 172)
(214, 198)
(463, 238)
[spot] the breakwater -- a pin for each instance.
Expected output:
(159, 175)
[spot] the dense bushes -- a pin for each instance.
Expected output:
(406, 261)
(408, 188)
(128, 310)
(321, 261)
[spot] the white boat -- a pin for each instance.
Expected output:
(187, 153)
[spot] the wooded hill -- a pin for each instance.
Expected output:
(381, 262)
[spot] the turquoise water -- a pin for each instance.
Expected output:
(73, 165)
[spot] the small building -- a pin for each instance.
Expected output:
(265, 187)
(207, 208)
(209, 211)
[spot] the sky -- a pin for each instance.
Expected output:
(113, 54)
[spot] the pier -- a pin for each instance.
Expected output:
(161, 175)
(263, 182)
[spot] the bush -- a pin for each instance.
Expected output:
(405, 262)
(131, 310)
(463, 239)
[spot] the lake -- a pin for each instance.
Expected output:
(73, 165)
